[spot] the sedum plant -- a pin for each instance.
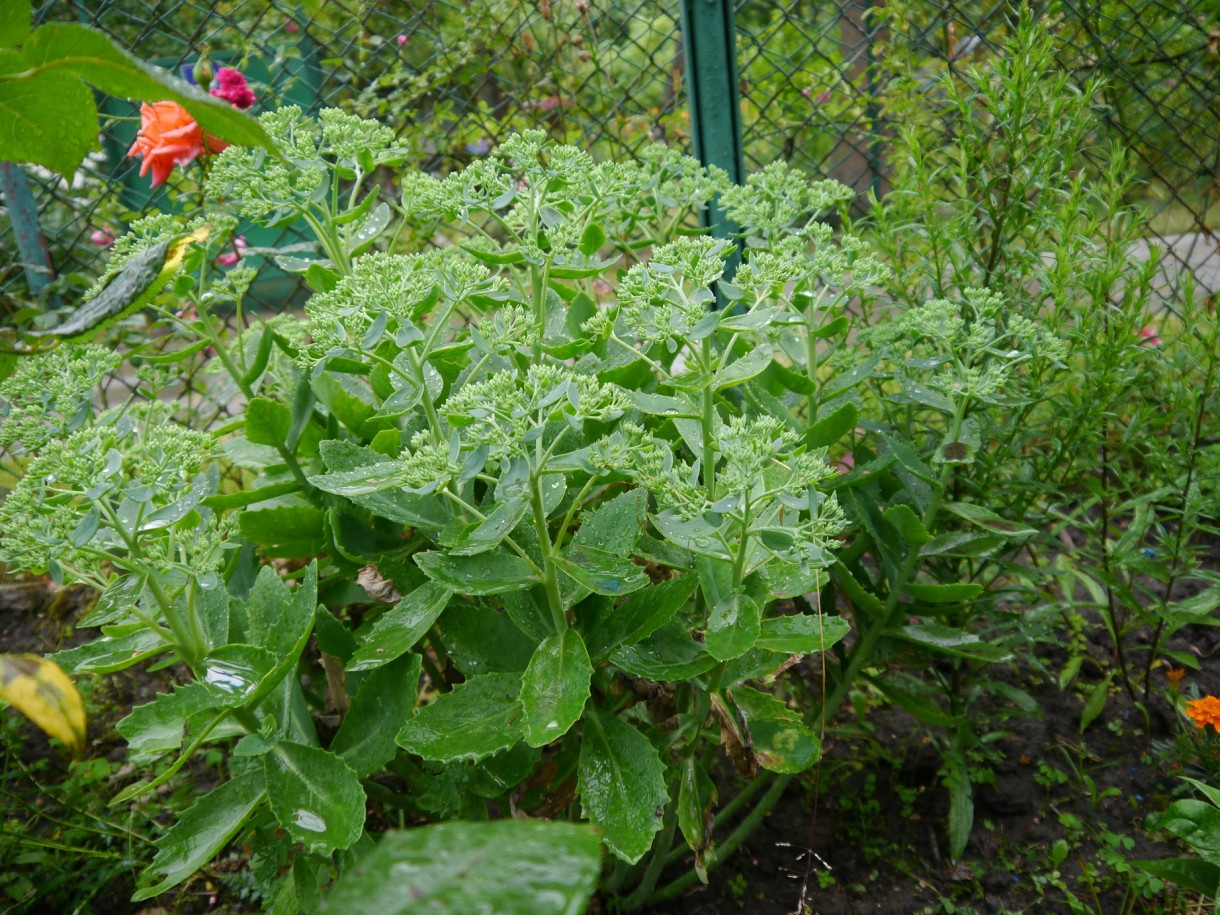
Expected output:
(513, 525)
(533, 551)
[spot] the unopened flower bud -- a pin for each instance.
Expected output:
(203, 73)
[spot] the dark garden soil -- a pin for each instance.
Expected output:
(874, 811)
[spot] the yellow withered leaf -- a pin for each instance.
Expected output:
(42, 692)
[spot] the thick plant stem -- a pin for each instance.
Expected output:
(538, 293)
(550, 573)
(811, 368)
(434, 422)
(222, 353)
(730, 845)
(186, 643)
(709, 424)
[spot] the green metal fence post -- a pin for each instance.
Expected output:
(23, 215)
(710, 38)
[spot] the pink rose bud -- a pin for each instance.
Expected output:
(401, 39)
(291, 27)
(102, 238)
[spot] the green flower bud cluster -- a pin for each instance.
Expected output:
(51, 395)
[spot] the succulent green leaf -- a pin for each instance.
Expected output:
(668, 654)
(660, 405)
(963, 544)
(240, 674)
(593, 237)
(555, 687)
(857, 593)
(802, 633)
(481, 640)
(601, 572)
(156, 728)
(111, 653)
(486, 573)
(788, 579)
(315, 796)
(510, 867)
(745, 368)
(351, 465)
(845, 381)
(733, 624)
(293, 530)
(401, 627)
(638, 616)
(754, 319)
(621, 781)
(267, 422)
(781, 741)
(615, 526)
(381, 707)
(200, 833)
(280, 618)
(922, 394)
(829, 429)
(574, 270)
(473, 720)
(491, 531)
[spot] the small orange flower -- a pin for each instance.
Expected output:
(1204, 711)
(168, 137)
(1175, 674)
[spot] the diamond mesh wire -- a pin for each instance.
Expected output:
(816, 83)
(453, 77)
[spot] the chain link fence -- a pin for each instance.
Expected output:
(452, 78)
(823, 87)
(816, 79)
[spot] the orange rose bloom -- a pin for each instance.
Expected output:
(168, 137)
(1204, 711)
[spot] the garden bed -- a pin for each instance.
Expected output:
(878, 834)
